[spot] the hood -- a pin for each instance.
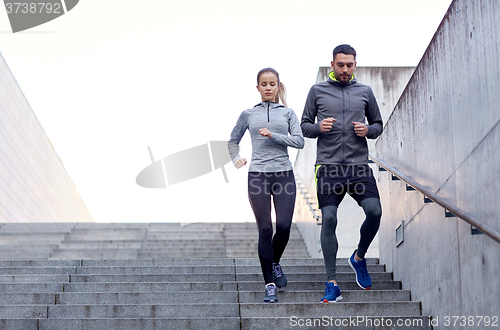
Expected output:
(332, 79)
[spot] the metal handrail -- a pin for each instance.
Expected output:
(491, 232)
(307, 200)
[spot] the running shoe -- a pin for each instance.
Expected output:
(332, 293)
(271, 294)
(278, 276)
(363, 279)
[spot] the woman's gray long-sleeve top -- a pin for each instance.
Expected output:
(268, 154)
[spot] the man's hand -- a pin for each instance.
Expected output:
(265, 132)
(326, 124)
(360, 129)
(240, 163)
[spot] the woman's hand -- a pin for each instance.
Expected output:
(240, 163)
(265, 132)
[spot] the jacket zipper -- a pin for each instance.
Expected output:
(343, 125)
(268, 112)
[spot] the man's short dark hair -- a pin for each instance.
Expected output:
(344, 49)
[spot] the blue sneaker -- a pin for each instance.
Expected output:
(271, 296)
(278, 276)
(363, 279)
(332, 293)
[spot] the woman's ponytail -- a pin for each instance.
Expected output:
(281, 94)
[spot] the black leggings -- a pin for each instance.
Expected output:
(281, 185)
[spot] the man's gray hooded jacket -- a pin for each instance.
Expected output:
(347, 103)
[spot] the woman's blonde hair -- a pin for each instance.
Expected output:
(281, 87)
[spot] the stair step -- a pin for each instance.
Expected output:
(166, 262)
(19, 323)
(37, 270)
(141, 298)
(23, 248)
(28, 298)
(42, 278)
(335, 322)
(237, 254)
(314, 296)
(156, 270)
(319, 286)
(175, 310)
(171, 323)
(31, 287)
(351, 276)
(117, 287)
(25, 256)
(154, 278)
(299, 262)
(308, 269)
(318, 309)
(23, 311)
(214, 286)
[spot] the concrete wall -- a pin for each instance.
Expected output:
(444, 134)
(387, 83)
(34, 186)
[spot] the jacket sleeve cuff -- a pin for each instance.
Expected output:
(373, 131)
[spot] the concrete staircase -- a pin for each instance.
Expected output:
(173, 276)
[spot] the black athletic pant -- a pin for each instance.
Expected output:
(281, 186)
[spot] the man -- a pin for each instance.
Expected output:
(340, 106)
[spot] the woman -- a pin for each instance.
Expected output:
(270, 172)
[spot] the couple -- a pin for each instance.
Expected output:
(340, 106)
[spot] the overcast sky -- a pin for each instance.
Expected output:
(110, 78)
